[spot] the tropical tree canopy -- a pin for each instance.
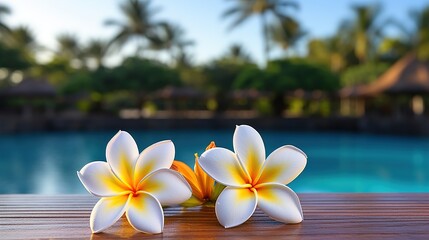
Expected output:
(138, 24)
(366, 30)
(171, 38)
(237, 54)
(287, 33)
(363, 74)
(420, 36)
(244, 9)
(68, 46)
(4, 10)
(96, 50)
(23, 38)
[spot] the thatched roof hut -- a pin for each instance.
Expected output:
(409, 75)
(29, 88)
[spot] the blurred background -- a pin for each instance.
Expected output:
(347, 81)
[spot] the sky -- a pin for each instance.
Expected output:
(201, 19)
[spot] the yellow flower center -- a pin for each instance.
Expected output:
(135, 194)
(134, 190)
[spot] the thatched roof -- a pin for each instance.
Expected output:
(409, 75)
(29, 88)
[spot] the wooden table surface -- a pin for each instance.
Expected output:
(327, 216)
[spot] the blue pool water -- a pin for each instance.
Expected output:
(46, 163)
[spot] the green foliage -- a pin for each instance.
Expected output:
(393, 48)
(251, 77)
(420, 35)
(423, 51)
(243, 10)
(221, 74)
(193, 77)
(264, 107)
(237, 54)
(12, 58)
(319, 51)
(137, 23)
(79, 81)
(57, 71)
(136, 74)
(286, 34)
(365, 29)
(286, 75)
(296, 107)
(363, 74)
(325, 108)
(115, 101)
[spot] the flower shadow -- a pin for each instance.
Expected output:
(123, 230)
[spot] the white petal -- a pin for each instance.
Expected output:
(122, 154)
(223, 165)
(145, 213)
(280, 203)
(107, 211)
(235, 205)
(250, 148)
(283, 165)
(99, 180)
(167, 186)
(157, 156)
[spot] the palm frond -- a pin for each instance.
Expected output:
(119, 39)
(287, 4)
(113, 22)
(4, 9)
(239, 20)
(231, 11)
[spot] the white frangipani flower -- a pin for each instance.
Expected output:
(133, 183)
(253, 181)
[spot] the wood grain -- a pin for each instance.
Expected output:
(327, 216)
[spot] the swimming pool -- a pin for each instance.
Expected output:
(46, 163)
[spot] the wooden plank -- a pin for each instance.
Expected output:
(327, 216)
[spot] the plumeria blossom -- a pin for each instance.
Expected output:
(252, 181)
(204, 189)
(134, 184)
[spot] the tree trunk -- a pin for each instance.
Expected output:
(173, 58)
(140, 47)
(265, 37)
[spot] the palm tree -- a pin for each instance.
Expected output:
(336, 51)
(138, 23)
(68, 45)
(244, 9)
(23, 38)
(4, 10)
(237, 54)
(171, 38)
(366, 30)
(69, 50)
(97, 51)
(184, 60)
(421, 22)
(415, 38)
(286, 34)
(420, 34)
(393, 48)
